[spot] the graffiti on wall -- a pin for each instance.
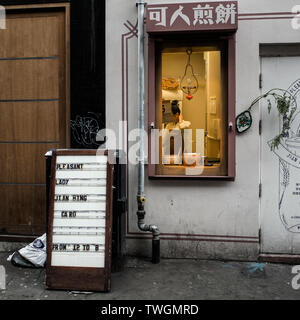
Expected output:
(288, 153)
(85, 128)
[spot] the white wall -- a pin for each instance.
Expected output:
(212, 209)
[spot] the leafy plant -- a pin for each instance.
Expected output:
(286, 105)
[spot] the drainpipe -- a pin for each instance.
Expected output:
(141, 125)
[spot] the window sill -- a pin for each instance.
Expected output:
(180, 177)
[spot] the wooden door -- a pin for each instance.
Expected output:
(33, 112)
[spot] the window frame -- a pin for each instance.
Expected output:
(153, 43)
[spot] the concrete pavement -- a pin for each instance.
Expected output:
(171, 279)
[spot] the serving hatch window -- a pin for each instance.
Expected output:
(191, 111)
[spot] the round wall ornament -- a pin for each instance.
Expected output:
(243, 121)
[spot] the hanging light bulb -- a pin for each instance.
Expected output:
(189, 82)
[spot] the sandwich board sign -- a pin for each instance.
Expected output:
(80, 221)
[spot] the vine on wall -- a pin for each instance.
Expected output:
(286, 105)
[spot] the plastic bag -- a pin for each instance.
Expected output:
(33, 255)
(18, 261)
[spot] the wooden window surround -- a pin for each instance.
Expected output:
(226, 43)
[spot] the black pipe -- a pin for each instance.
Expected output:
(155, 251)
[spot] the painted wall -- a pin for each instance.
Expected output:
(199, 219)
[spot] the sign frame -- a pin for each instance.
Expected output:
(192, 17)
(80, 278)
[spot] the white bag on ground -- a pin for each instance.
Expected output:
(35, 252)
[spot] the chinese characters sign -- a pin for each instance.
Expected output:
(192, 16)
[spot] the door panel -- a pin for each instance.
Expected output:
(23, 162)
(22, 209)
(29, 79)
(280, 175)
(24, 30)
(29, 121)
(33, 108)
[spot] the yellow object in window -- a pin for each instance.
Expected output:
(169, 84)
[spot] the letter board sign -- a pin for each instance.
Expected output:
(80, 221)
(196, 16)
